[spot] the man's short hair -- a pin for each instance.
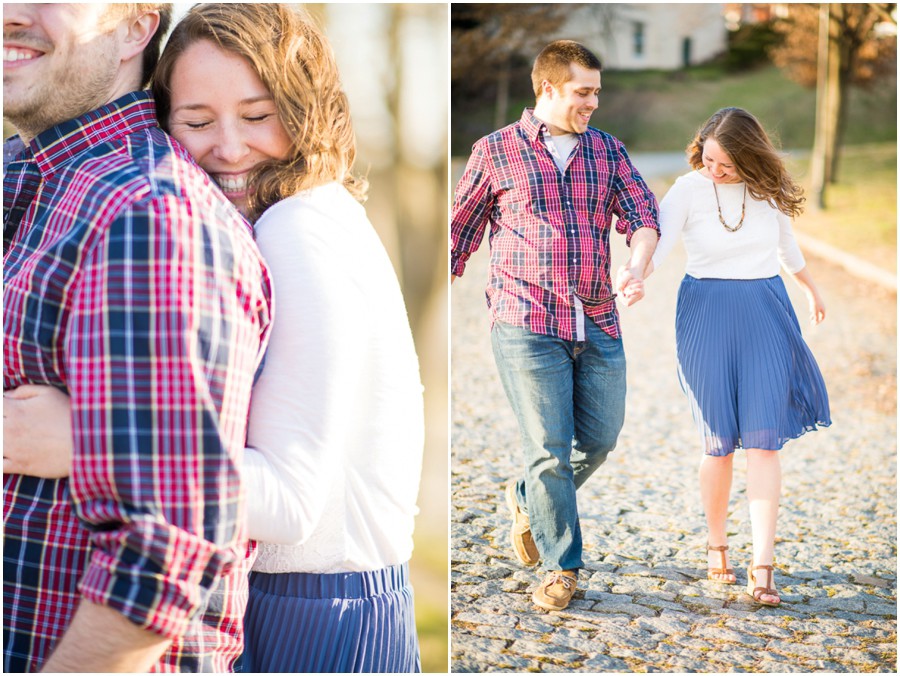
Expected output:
(151, 52)
(552, 64)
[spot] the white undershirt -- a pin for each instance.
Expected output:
(563, 144)
(336, 427)
(756, 251)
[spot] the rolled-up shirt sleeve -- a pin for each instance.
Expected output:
(472, 205)
(165, 336)
(634, 203)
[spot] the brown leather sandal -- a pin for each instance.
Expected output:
(757, 592)
(710, 572)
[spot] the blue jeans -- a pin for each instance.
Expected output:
(569, 400)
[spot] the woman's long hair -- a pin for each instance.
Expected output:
(755, 158)
(295, 62)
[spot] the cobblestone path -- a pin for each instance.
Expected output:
(643, 603)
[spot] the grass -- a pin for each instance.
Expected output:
(861, 208)
(661, 110)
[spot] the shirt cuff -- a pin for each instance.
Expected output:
(634, 227)
(159, 596)
(458, 260)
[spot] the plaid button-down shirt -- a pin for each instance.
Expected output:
(133, 285)
(549, 229)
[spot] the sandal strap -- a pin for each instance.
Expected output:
(723, 570)
(759, 591)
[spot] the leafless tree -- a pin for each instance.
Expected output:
(832, 46)
(488, 38)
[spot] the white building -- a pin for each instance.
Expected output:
(649, 36)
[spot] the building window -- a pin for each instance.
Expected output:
(638, 34)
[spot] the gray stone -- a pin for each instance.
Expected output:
(500, 633)
(796, 649)
(663, 625)
(535, 624)
(465, 643)
(623, 606)
(486, 618)
(603, 663)
(858, 657)
(515, 663)
(539, 650)
(881, 609)
(720, 635)
(758, 628)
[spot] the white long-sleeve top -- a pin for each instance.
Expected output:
(336, 428)
(756, 251)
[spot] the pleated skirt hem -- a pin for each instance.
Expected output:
(750, 377)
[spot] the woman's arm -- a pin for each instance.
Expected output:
(673, 213)
(791, 258)
(37, 432)
(816, 304)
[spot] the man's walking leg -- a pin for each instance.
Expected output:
(599, 387)
(536, 372)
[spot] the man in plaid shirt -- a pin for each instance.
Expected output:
(133, 285)
(547, 188)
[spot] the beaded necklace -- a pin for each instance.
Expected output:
(743, 209)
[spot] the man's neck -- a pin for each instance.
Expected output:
(125, 88)
(543, 115)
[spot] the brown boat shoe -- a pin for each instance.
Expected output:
(520, 531)
(556, 590)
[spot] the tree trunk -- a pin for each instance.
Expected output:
(502, 103)
(819, 161)
(838, 81)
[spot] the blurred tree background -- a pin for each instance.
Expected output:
(394, 60)
(769, 63)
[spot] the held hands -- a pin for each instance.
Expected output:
(37, 432)
(629, 285)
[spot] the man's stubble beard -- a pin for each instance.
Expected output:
(82, 85)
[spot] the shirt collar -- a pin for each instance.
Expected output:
(56, 146)
(531, 125)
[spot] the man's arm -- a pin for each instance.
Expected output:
(638, 213)
(472, 204)
(101, 640)
(162, 345)
(631, 276)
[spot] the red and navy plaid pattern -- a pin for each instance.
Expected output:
(133, 285)
(549, 231)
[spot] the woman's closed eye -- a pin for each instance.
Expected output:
(258, 118)
(192, 124)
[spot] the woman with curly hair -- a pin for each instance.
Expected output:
(751, 379)
(336, 426)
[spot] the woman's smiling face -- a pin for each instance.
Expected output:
(225, 117)
(718, 165)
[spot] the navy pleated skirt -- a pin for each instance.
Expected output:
(331, 623)
(750, 377)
